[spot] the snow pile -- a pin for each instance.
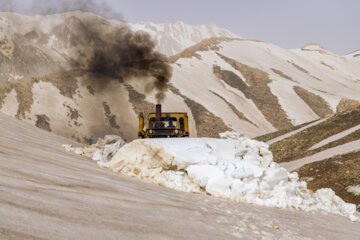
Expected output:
(103, 150)
(233, 167)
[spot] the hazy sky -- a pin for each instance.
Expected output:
(333, 24)
(289, 23)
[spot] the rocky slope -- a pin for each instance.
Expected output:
(325, 153)
(47, 192)
(223, 83)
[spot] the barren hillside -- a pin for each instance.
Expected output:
(325, 153)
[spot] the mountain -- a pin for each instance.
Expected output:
(305, 101)
(173, 38)
(266, 86)
(223, 83)
(354, 55)
(324, 152)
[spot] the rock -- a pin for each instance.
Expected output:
(347, 104)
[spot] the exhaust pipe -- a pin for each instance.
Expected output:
(158, 122)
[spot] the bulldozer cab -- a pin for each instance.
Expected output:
(163, 125)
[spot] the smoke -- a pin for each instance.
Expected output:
(45, 7)
(128, 54)
(118, 53)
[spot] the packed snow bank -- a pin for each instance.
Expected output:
(103, 150)
(233, 167)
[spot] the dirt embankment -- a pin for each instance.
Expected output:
(339, 173)
(297, 146)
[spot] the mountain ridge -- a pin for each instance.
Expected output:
(238, 84)
(175, 37)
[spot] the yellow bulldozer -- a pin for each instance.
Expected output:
(164, 125)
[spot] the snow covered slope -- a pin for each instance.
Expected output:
(172, 38)
(354, 56)
(270, 86)
(47, 192)
(223, 83)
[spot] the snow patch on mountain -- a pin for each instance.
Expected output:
(172, 38)
(335, 137)
(323, 73)
(354, 55)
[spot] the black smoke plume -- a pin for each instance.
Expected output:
(118, 52)
(127, 54)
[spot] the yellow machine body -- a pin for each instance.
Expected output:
(171, 124)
